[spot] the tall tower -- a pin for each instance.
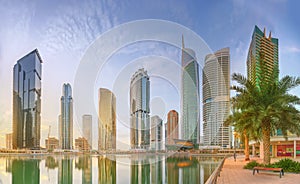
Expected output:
(87, 128)
(172, 127)
(107, 120)
(27, 101)
(261, 47)
(139, 110)
(216, 95)
(190, 103)
(156, 133)
(66, 118)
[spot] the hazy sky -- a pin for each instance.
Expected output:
(63, 30)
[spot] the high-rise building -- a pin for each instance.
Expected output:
(139, 110)
(87, 128)
(107, 120)
(156, 133)
(172, 127)
(216, 95)
(261, 47)
(66, 118)
(27, 101)
(9, 141)
(190, 101)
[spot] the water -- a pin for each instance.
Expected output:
(64, 169)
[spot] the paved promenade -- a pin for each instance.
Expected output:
(233, 173)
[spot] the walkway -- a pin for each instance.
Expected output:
(233, 173)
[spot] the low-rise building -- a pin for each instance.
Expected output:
(52, 143)
(81, 144)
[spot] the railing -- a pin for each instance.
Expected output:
(214, 176)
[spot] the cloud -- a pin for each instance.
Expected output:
(291, 49)
(75, 26)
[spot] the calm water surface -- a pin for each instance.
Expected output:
(106, 169)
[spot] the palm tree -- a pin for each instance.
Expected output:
(267, 105)
(244, 125)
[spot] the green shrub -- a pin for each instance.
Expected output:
(252, 164)
(286, 164)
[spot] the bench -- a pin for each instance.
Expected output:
(280, 170)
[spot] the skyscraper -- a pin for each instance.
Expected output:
(66, 118)
(27, 101)
(107, 120)
(139, 110)
(261, 47)
(172, 127)
(87, 128)
(216, 95)
(190, 106)
(156, 133)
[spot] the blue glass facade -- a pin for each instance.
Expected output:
(66, 118)
(27, 101)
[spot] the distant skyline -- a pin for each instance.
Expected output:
(62, 31)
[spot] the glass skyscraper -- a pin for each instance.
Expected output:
(66, 118)
(107, 120)
(156, 133)
(27, 101)
(87, 128)
(262, 47)
(172, 127)
(190, 101)
(139, 110)
(216, 96)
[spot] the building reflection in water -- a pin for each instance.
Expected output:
(190, 170)
(25, 171)
(172, 171)
(107, 170)
(157, 170)
(85, 164)
(140, 169)
(51, 163)
(65, 171)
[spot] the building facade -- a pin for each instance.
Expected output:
(107, 120)
(216, 98)
(190, 101)
(264, 48)
(139, 110)
(9, 141)
(52, 143)
(156, 133)
(27, 78)
(66, 118)
(87, 128)
(172, 127)
(81, 144)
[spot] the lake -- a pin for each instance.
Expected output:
(134, 168)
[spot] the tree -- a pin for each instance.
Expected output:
(244, 125)
(266, 105)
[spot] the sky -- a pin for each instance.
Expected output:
(65, 31)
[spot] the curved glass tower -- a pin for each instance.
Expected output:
(139, 110)
(107, 120)
(190, 101)
(216, 95)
